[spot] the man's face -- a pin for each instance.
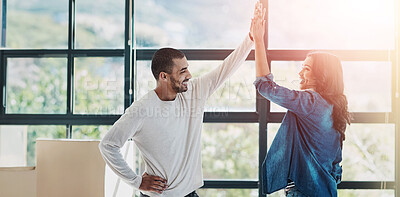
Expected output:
(180, 75)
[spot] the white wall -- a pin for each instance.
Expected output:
(13, 142)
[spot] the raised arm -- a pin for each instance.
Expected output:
(207, 84)
(299, 102)
(257, 31)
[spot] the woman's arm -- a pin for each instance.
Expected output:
(257, 31)
(299, 102)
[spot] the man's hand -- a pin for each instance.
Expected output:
(153, 183)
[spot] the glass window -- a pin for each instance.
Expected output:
(366, 92)
(187, 24)
(368, 151)
(145, 80)
(272, 129)
(228, 192)
(230, 151)
(36, 85)
(236, 94)
(99, 85)
(332, 24)
(100, 24)
(37, 24)
(89, 131)
(18, 143)
(371, 90)
(366, 193)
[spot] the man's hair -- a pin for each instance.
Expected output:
(162, 60)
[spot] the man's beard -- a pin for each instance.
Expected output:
(177, 87)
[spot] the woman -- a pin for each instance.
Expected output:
(305, 154)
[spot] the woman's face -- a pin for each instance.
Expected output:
(306, 75)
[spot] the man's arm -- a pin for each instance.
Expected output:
(111, 144)
(209, 83)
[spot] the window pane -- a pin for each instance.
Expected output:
(18, 143)
(368, 151)
(314, 24)
(100, 24)
(230, 151)
(236, 94)
(272, 129)
(371, 90)
(36, 85)
(366, 193)
(206, 24)
(228, 192)
(89, 131)
(366, 92)
(37, 24)
(145, 79)
(99, 86)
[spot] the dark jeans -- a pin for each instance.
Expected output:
(293, 192)
(193, 194)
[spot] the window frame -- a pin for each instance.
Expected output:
(262, 115)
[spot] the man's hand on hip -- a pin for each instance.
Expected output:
(153, 183)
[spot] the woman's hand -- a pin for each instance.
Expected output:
(257, 31)
(257, 27)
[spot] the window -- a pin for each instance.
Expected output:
(332, 24)
(18, 142)
(89, 131)
(99, 86)
(69, 69)
(192, 24)
(230, 151)
(368, 152)
(366, 92)
(228, 192)
(36, 85)
(364, 192)
(100, 24)
(37, 24)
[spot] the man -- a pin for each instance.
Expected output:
(166, 125)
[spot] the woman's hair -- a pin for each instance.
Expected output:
(327, 69)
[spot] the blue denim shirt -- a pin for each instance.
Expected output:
(306, 149)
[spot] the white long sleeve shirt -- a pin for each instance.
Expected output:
(168, 133)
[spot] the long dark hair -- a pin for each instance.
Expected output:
(327, 69)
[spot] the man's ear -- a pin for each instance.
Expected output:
(163, 76)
